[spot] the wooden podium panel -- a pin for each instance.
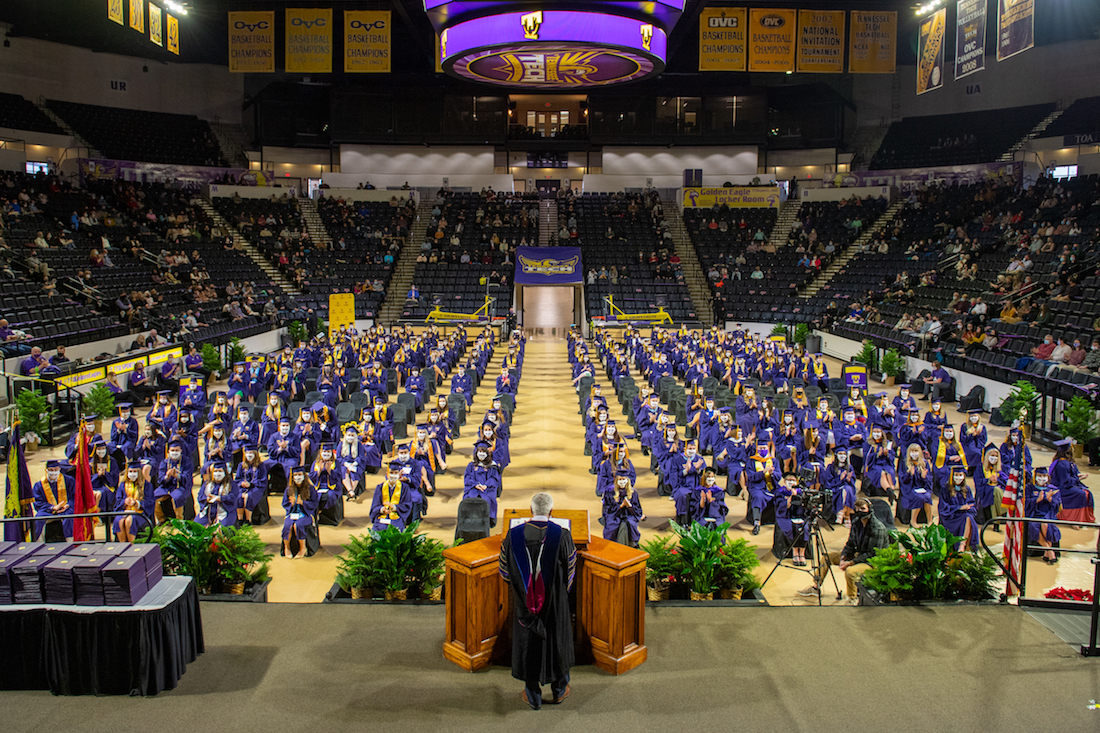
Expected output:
(611, 605)
(609, 589)
(578, 522)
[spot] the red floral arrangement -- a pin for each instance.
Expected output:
(1064, 594)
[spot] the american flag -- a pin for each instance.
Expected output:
(1013, 499)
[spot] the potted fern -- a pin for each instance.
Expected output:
(868, 356)
(242, 558)
(188, 548)
(394, 560)
(923, 565)
(892, 366)
(736, 561)
(699, 547)
(1019, 405)
(35, 416)
(236, 352)
(297, 332)
(211, 359)
(428, 568)
(1079, 423)
(99, 401)
(355, 569)
(662, 568)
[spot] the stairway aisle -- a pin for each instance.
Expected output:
(405, 266)
(247, 247)
(823, 279)
(694, 276)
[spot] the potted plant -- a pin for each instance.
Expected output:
(868, 356)
(35, 416)
(211, 359)
(188, 548)
(801, 333)
(297, 332)
(394, 558)
(779, 330)
(355, 569)
(923, 565)
(99, 401)
(236, 352)
(699, 547)
(241, 558)
(428, 567)
(736, 561)
(1018, 405)
(892, 366)
(1079, 423)
(661, 568)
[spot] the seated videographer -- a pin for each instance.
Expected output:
(868, 534)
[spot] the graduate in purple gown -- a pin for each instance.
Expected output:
(249, 482)
(174, 480)
(217, 500)
(959, 509)
(849, 433)
(685, 473)
(325, 476)
(840, 478)
(707, 501)
(124, 431)
(915, 487)
(394, 503)
(974, 438)
(273, 412)
(53, 498)
(135, 493)
(245, 431)
(283, 447)
(105, 472)
(163, 414)
(787, 441)
(879, 461)
(1077, 504)
(300, 504)
(989, 481)
(482, 479)
(1042, 501)
(216, 447)
(761, 479)
(622, 511)
(351, 462)
(948, 454)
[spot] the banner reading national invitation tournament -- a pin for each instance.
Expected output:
(309, 40)
(930, 52)
(252, 42)
(969, 37)
(367, 41)
(548, 266)
(873, 42)
(821, 41)
(772, 40)
(1015, 27)
(722, 33)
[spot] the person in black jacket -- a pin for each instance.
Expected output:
(868, 534)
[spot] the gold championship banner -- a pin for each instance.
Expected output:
(137, 15)
(367, 41)
(736, 197)
(873, 42)
(156, 32)
(173, 35)
(252, 41)
(309, 40)
(116, 11)
(930, 52)
(821, 41)
(341, 312)
(771, 40)
(722, 45)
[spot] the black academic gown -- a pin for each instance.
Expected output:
(542, 644)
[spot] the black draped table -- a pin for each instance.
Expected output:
(103, 650)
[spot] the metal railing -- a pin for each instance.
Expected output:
(52, 393)
(28, 531)
(1091, 649)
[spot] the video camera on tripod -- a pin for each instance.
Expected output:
(811, 498)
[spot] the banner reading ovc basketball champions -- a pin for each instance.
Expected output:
(548, 266)
(930, 52)
(252, 42)
(873, 42)
(722, 33)
(309, 40)
(366, 41)
(735, 197)
(772, 40)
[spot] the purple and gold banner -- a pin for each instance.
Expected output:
(722, 34)
(548, 266)
(910, 179)
(969, 37)
(176, 176)
(1015, 27)
(930, 52)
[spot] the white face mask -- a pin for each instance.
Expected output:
(624, 484)
(101, 451)
(52, 474)
(300, 479)
(689, 452)
(90, 427)
(841, 460)
(218, 475)
(994, 459)
(974, 419)
(948, 434)
(349, 438)
(788, 418)
(876, 435)
(250, 456)
(326, 455)
(242, 416)
(284, 430)
(960, 480)
(403, 456)
(1041, 481)
(482, 455)
(218, 433)
(175, 455)
(132, 475)
(710, 481)
(914, 455)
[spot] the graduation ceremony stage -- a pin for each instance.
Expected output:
(285, 667)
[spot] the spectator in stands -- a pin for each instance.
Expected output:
(40, 241)
(1092, 359)
(936, 383)
(37, 267)
(153, 340)
(1041, 353)
(34, 363)
(414, 294)
(1077, 355)
(757, 273)
(1043, 316)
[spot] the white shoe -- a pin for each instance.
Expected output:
(810, 591)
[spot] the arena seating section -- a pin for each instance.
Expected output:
(642, 286)
(456, 286)
(969, 137)
(153, 137)
(1083, 116)
(17, 113)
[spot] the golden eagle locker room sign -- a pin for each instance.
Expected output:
(821, 41)
(252, 42)
(367, 42)
(722, 39)
(772, 40)
(873, 42)
(309, 40)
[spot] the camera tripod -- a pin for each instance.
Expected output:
(820, 554)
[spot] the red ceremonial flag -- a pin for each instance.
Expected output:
(1014, 531)
(84, 501)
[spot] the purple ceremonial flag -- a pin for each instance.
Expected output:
(548, 266)
(17, 494)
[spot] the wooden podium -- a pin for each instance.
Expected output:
(609, 590)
